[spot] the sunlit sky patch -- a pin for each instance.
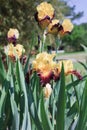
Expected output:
(81, 5)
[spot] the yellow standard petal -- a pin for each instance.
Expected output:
(68, 66)
(67, 25)
(45, 9)
(13, 33)
(44, 63)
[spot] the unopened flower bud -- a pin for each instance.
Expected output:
(47, 90)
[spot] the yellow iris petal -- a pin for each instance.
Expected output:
(68, 66)
(67, 25)
(45, 9)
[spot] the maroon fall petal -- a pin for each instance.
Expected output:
(45, 79)
(47, 17)
(77, 74)
(12, 40)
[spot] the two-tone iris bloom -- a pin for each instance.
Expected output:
(43, 65)
(12, 35)
(44, 15)
(48, 69)
(57, 28)
(14, 51)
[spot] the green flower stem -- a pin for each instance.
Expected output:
(44, 38)
(42, 42)
(58, 43)
(40, 48)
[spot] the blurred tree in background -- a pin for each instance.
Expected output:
(20, 14)
(78, 37)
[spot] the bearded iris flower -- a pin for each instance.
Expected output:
(43, 65)
(14, 51)
(44, 15)
(48, 69)
(13, 35)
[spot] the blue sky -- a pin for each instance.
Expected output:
(81, 5)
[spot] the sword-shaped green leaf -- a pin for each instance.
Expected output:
(60, 114)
